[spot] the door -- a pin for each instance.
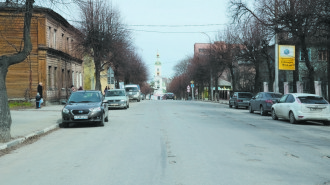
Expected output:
(280, 105)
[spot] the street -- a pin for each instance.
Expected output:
(175, 143)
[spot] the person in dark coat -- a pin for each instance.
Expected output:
(40, 89)
(38, 98)
(40, 92)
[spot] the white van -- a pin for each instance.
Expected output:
(133, 91)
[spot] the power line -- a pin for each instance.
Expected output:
(153, 31)
(183, 25)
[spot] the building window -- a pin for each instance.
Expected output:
(67, 45)
(111, 76)
(63, 78)
(80, 77)
(78, 80)
(54, 38)
(49, 36)
(72, 77)
(55, 77)
(49, 82)
(62, 42)
(323, 55)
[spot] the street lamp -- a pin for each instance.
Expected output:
(211, 80)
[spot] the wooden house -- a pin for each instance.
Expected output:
(52, 61)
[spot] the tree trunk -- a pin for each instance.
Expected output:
(97, 74)
(296, 71)
(233, 83)
(5, 117)
(308, 65)
(328, 70)
(257, 77)
(5, 62)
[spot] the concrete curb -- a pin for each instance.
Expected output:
(22, 139)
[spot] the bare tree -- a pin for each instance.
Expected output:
(103, 32)
(22, 52)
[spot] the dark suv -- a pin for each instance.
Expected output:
(240, 99)
(85, 107)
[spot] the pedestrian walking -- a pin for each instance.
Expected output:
(105, 90)
(39, 90)
(38, 98)
(72, 89)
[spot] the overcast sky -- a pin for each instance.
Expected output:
(166, 26)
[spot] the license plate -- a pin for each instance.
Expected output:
(114, 104)
(80, 117)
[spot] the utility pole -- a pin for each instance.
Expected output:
(276, 50)
(211, 71)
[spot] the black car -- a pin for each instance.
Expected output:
(169, 96)
(85, 107)
(263, 102)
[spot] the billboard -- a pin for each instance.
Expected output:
(286, 58)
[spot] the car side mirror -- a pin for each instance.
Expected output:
(253, 98)
(63, 102)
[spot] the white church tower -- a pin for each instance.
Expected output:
(159, 86)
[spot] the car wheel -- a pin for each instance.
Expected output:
(101, 123)
(262, 111)
(236, 106)
(138, 100)
(128, 105)
(250, 109)
(292, 118)
(65, 125)
(230, 106)
(274, 115)
(106, 119)
(326, 123)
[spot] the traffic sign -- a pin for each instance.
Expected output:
(192, 86)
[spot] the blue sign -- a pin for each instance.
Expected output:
(192, 86)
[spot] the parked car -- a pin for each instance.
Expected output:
(240, 99)
(133, 92)
(142, 96)
(85, 107)
(298, 107)
(263, 102)
(169, 95)
(117, 98)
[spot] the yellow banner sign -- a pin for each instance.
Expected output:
(286, 59)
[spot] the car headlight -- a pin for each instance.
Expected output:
(66, 111)
(97, 109)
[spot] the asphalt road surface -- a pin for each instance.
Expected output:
(175, 143)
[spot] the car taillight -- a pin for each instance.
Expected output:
(297, 99)
(269, 101)
(239, 100)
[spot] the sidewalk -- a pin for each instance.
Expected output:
(27, 123)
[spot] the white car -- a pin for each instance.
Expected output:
(298, 107)
(117, 98)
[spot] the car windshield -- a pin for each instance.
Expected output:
(84, 97)
(131, 89)
(244, 95)
(273, 95)
(312, 100)
(115, 93)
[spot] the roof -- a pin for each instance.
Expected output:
(14, 7)
(224, 83)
